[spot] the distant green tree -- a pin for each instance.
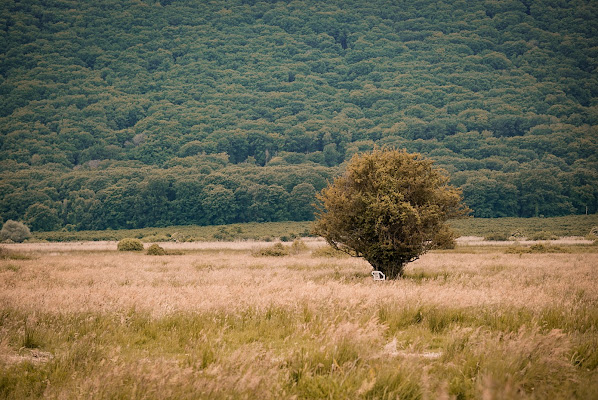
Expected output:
(218, 204)
(541, 194)
(14, 231)
(489, 198)
(40, 217)
(301, 202)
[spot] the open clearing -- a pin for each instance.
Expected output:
(86, 321)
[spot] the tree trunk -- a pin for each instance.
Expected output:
(390, 270)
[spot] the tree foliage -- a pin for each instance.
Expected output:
(14, 231)
(108, 105)
(389, 207)
(129, 244)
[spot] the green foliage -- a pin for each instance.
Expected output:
(155, 250)
(572, 225)
(276, 250)
(14, 231)
(130, 244)
(389, 207)
(246, 231)
(236, 118)
(537, 248)
(497, 236)
(543, 235)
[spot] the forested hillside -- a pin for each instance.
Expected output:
(134, 113)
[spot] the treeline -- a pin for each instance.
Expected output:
(137, 197)
(212, 191)
(501, 93)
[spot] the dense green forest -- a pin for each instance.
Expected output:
(134, 113)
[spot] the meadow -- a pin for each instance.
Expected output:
(542, 228)
(222, 320)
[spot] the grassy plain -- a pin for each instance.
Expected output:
(572, 225)
(220, 321)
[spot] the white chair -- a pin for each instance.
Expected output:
(378, 276)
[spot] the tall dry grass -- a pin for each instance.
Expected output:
(221, 322)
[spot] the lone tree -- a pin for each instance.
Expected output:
(389, 207)
(14, 231)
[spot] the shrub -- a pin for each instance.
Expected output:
(155, 250)
(543, 235)
(130, 244)
(179, 237)
(155, 238)
(536, 248)
(298, 246)
(276, 250)
(517, 234)
(14, 231)
(496, 236)
(445, 239)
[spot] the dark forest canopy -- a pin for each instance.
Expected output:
(138, 113)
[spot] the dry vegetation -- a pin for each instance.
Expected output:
(217, 321)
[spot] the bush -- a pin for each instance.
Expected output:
(517, 234)
(130, 244)
(276, 250)
(445, 240)
(14, 231)
(536, 248)
(543, 235)
(497, 236)
(155, 250)
(298, 246)
(155, 238)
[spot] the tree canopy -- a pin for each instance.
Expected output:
(389, 207)
(100, 99)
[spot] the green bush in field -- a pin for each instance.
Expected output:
(156, 250)
(14, 231)
(497, 236)
(543, 235)
(298, 246)
(155, 238)
(276, 250)
(130, 244)
(445, 240)
(538, 248)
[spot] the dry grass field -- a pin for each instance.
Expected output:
(219, 321)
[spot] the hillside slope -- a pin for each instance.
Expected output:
(138, 113)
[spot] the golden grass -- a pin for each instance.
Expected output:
(218, 322)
